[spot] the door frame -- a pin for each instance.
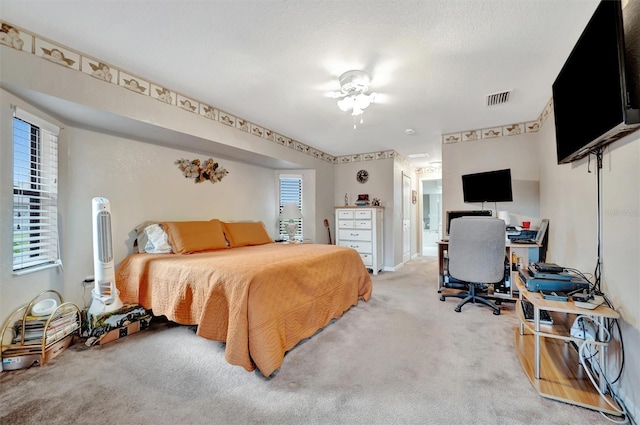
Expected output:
(406, 217)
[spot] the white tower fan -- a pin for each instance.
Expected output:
(105, 294)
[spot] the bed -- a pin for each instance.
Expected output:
(261, 300)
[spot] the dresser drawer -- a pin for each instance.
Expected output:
(362, 214)
(367, 259)
(361, 247)
(354, 224)
(346, 224)
(355, 235)
(362, 224)
(345, 214)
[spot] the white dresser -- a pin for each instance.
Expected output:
(361, 229)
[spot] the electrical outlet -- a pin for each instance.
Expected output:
(87, 282)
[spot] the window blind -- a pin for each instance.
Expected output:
(35, 193)
(290, 191)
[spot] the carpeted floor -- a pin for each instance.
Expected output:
(404, 357)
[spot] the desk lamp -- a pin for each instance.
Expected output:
(504, 215)
(291, 212)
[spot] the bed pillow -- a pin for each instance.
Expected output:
(142, 237)
(243, 233)
(156, 240)
(193, 236)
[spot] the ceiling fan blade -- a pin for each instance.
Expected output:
(335, 95)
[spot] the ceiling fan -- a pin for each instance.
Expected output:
(353, 96)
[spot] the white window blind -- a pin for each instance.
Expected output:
(35, 193)
(291, 191)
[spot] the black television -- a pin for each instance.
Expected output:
(592, 101)
(489, 186)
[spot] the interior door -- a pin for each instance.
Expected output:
(406, 218)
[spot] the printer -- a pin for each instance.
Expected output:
(550, 279)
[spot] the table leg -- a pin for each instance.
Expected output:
(536, 321)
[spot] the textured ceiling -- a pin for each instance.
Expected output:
(272, 61)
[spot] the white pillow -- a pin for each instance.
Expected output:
(157, 240)
(141, 236)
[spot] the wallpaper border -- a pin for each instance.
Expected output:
(26, 41)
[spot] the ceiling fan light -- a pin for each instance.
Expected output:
(362, 101)
(354, 84)
(345, 104)
(354, 81)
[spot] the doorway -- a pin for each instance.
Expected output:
(406, 218)
(431, 216)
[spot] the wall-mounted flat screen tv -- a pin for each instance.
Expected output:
(592, 103)
(489, 186)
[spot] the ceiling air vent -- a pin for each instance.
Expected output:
(498, 98)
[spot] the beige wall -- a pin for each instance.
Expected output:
(142, 183)
(380, 185)
(137, 174)
(569, 200)
(519, 153)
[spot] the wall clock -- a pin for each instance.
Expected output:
(362, 176)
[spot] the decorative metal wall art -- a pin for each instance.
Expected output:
(209, 170)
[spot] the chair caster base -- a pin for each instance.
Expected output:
(496, 312)
(457, 309)
(498, 302)
(442, 298)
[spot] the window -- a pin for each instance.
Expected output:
(290, 191)
(35, 193)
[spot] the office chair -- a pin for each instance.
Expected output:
(476, 257)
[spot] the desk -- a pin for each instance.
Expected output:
(550, 363)
(529, 253)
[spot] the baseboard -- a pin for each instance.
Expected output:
(393, 269)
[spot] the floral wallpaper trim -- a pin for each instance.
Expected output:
(502, 131)
(25, 41)
(199, 172)
(20, 39)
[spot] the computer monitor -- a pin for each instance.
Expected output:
(473, 213)
(542, 238)
(542, 231)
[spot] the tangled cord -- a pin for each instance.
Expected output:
(589, 362)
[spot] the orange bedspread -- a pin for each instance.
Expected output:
(262, 300)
